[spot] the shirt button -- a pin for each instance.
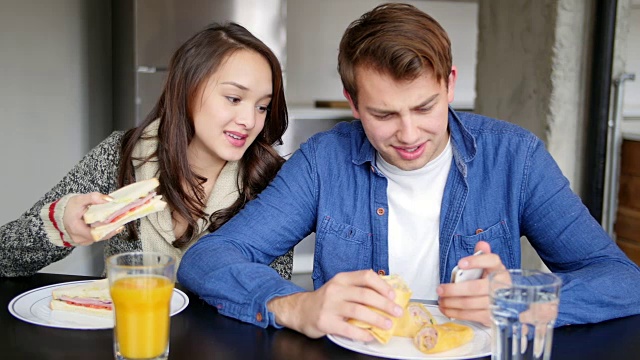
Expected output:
(381, 272)
(380, 211)
(478, 231)
(259, 317)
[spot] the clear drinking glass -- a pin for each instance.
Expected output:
(524, 308)
(141, 286)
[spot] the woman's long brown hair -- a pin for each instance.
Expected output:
(191, 65)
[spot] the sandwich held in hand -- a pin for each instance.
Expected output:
(129, 203)
(90, 298)
(403, 294)
(418, 323)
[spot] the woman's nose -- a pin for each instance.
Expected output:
(247, 117)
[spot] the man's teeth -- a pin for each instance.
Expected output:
(235, 136)
(412, 149)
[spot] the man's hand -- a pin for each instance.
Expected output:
(346, 296)
(470, 300)
(79, 231)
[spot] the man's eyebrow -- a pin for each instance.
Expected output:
(428, 101)
(431, 99)
(380, 111)
(233, 83)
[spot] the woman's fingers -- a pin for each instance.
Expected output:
(75, 226)
(112, 234)
(94, 198)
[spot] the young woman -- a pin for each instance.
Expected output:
(208, 140)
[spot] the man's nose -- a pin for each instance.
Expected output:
(408, 131)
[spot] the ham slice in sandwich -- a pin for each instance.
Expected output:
(90, 298)
(129, 203)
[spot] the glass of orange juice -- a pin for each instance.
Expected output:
(141, 286)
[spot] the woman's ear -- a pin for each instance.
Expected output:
(354, 109)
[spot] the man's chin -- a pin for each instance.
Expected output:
(409, 165)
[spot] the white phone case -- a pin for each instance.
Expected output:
(459, 275)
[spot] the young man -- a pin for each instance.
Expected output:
(412, 188)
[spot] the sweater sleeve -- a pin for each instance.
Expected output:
(52, 215)
(26, 245)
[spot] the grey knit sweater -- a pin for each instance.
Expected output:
(25, 247)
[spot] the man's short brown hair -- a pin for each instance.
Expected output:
(394, 39)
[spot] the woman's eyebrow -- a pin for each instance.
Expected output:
(233, 83)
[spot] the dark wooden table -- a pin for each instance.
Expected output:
(199, 332)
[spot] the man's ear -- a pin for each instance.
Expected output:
(354, 109)
(451, 84)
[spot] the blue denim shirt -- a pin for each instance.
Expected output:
(502, 185)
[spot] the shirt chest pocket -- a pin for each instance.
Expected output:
(497, 235)
(340, 247)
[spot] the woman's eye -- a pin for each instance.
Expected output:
(233, 100)
(262, 109)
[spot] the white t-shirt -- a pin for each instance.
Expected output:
(415, 200)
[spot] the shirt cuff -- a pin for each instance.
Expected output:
(288, 288)
(52, 215)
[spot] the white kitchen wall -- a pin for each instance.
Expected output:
(631, 109)
(632, 88)
(54, 101)
(314, 30)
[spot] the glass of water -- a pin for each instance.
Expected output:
(524, 308)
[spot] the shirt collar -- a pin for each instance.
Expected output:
(361, 147)
(464, 143)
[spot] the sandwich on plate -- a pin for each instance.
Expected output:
(91, 298)
(434, 338)
(415, 316)
(129, 203)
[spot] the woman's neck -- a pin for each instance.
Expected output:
(206, 165)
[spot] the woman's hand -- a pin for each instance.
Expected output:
(469, 300)
(77, 229)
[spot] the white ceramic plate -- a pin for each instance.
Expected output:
(33, 307)
(403, 348)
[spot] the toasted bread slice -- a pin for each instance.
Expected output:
(152, 206)
(121, 198)
(91, 298)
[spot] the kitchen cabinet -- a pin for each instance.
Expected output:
(627, 225)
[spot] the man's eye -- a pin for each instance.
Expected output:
(382, 116)
(233, 100)
(426, 109)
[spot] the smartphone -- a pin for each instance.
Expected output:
(459, 275)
